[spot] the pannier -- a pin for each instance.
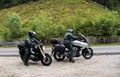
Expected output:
(60, 48)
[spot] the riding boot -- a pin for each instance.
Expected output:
(26, 58)
(71, 60)
(77, 54)
(26, 63)
(71, 57)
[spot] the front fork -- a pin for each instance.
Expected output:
(42, 52)
(53, 49)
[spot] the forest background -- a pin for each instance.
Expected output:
(97, 19)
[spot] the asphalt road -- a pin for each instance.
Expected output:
(98, 50)
(98, 66)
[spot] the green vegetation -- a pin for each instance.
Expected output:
(10, 3)
(14, 27)
(51, 18)
(112, 4)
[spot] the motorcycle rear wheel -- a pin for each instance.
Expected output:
(47, 60)
(58, 56)
(87, 53)
(22, 55)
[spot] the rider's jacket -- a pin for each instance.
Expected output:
(68, 37)
(29, 41)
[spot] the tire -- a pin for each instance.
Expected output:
(58, 56)
(21, 53)
(87, 53)
(46, 61)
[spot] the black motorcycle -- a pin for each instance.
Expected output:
(36, 54)
(80, 46)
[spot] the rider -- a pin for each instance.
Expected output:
(30, 41)
(68, 37)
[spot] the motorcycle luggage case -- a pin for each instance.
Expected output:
(54, 41)
(60, 48)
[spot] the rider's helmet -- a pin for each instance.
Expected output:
(70, 30)
(32, 33)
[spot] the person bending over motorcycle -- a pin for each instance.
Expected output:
(68, 37)
(30, 41)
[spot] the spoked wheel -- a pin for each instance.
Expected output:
(87, 53)
(47, 60)
(58, 56)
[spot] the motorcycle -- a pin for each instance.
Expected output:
(36, 54)
(80, 46)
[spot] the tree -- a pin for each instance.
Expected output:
(109, 3)
(13, 24)
(1, 4)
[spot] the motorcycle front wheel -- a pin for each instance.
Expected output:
(58, 56)
(87, 53)
(47, 60)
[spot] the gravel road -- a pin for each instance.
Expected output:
(97, 66)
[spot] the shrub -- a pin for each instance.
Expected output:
(13, 24)
(43, 25)
(104, 25)
(108, 24)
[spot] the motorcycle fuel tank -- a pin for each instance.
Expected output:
(79, 43)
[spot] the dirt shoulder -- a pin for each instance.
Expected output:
(98, 66)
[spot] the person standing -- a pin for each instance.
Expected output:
(30, 41)
(68, 37)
